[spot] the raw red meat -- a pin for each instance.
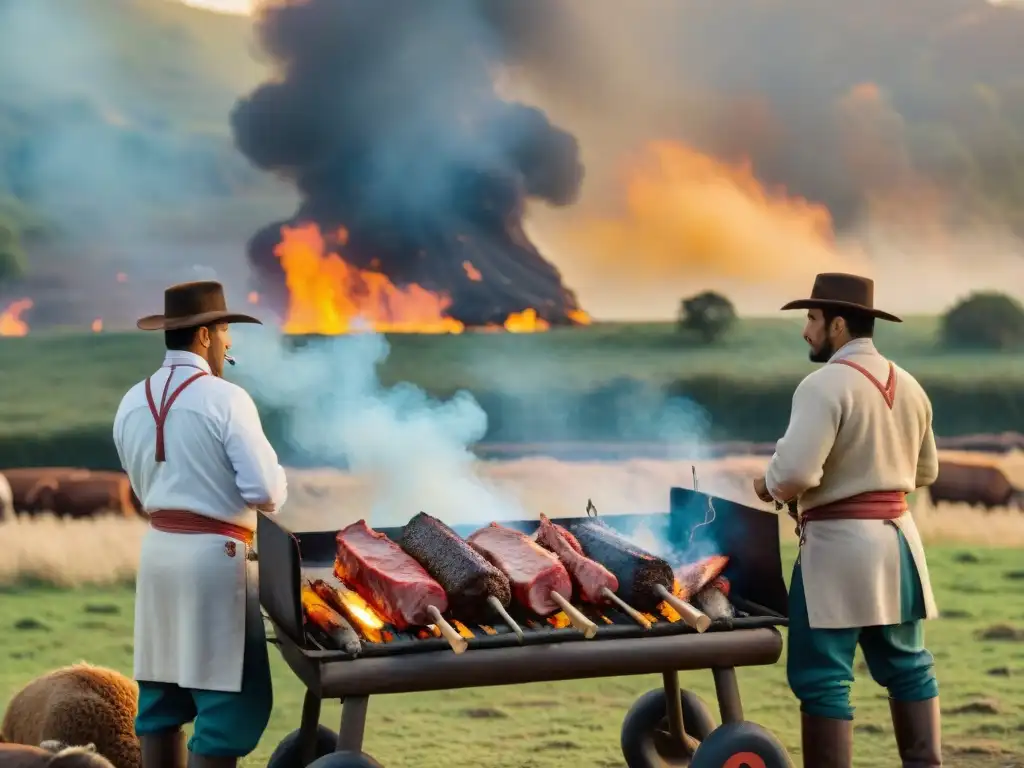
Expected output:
(590, 576)
(386, 577)
(533, 571)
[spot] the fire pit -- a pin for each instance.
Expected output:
(666, 727)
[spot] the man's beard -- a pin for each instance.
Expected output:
(824, 354)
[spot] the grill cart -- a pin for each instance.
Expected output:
(668, 726)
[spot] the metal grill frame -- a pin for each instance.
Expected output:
(748, 536)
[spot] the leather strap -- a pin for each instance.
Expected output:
(888, 390)
(183, 521)
(160, 414)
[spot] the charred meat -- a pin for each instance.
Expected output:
(533, 571)
(388, 578)
(692, 578)
(638, 572)
(590, 577)
(466, 576)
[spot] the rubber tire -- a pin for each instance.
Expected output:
(647, 716)
(345, 760)
(286, 755)
(726, 745)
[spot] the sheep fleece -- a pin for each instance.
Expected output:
(80, 704)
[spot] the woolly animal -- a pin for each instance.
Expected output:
(26, 756)
(77, 705)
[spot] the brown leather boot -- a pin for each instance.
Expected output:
(918, 732)
(208, 761)
(163, 750)
(827, 743)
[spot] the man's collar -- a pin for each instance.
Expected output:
(854, 347)
(181, 357)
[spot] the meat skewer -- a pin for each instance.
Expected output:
(596, 583)
(324, 616)
(644, 579)
(539, 580)
(388, 578)
(473, 585)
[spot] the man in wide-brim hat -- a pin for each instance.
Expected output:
(194, 449)
(859, 440)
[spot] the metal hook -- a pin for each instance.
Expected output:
(591, 509)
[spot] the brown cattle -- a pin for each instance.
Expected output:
(976, 485)
(71, 492)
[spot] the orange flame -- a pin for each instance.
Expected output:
(11, 323)
(329, 296)
(472, 272)
(685, 214)
(97, 325)
(526, 322)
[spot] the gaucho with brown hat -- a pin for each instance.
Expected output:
(194, 450)
(859, 440)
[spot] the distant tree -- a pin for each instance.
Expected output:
(708, 315)
(986, 320)
(12, 256)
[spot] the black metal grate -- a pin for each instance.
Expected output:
(748, 536)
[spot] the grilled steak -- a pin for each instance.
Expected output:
(466, 576)
(590, 577)
(533, 571)
(386, 577)
(694, 577)
(638, 571)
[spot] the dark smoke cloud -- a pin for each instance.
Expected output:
(386, 118)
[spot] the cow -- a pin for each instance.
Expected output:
(975, 485)
(71, 492)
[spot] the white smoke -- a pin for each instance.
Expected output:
(413, 450)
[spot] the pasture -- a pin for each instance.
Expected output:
(61, 389)
(978, 645)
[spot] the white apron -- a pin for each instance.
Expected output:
(193, 605)
(194, 597)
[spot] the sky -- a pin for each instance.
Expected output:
(224, 6)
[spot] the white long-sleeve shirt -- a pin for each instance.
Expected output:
(218, 461)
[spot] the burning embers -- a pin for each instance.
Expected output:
(435, 584)
(12, 322)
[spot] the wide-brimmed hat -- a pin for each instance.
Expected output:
(190, 305)
(837, 290)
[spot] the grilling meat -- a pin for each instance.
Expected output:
(533, 571)
(591, 578)
(638, 571)
(466, 576)
(694, 577)
(386, 577)
(330, 622)
(714, 600)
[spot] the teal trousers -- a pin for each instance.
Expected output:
(819, 663)
(226, 724)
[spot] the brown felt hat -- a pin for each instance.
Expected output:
(837, 290)
(190, 305)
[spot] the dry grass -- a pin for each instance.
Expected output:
(65, 553)
(106, 550)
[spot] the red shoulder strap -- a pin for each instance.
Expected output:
(887, 390)
(160, 414)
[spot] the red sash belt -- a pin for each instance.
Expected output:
(873, 505)
(182, 521)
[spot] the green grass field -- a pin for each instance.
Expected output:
(978, 646)
(57, 382)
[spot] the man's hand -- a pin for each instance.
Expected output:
(761, 489)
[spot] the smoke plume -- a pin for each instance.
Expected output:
(412, 451)
(385, 116)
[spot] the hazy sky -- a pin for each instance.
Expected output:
(224, 6)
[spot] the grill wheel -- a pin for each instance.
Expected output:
(645, 739)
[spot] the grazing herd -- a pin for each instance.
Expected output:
(74, 493)
(66, 492)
